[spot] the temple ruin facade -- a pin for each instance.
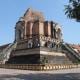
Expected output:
(38, 41)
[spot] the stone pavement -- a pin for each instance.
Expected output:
(13, 74)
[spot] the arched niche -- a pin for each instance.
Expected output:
(19, 30)
(19, 34)
(30, 44)
(35, 28)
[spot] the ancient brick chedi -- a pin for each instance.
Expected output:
(38, 41)
(33, 34)
(33, 27)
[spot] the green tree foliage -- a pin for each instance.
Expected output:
(72, 10)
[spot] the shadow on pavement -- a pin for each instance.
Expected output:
(42, 76)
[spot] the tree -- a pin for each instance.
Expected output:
(72, 10)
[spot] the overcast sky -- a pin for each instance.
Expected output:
(11, 10)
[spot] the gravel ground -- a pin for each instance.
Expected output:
(14, 74)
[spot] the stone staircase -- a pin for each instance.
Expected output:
(5, 53)
(71, 53)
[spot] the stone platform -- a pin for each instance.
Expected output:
(40, 55)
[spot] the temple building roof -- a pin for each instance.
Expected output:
(76, 47)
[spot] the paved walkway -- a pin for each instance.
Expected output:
(13, 74)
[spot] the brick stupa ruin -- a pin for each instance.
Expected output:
(38, 41)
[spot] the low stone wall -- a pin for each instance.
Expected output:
(40, 67)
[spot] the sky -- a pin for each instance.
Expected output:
(53, 10)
